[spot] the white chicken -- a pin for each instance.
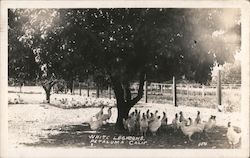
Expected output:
(164, 120)
(10, 101)
(154, 125)
(210, 124)
(73, 102)
(97, 120)
(106, 117)
(206, 126)
(137, 122)
(129, 124)
(151, 117)
(143, 125)
(182, 119)
(189, 130)
(16, 101)
(190, 123)
(232, 136)
(20, 100)
(136, 112)
(155, 114)
(95, 123)
(100, 113)
(198, 118)
(64, 100)
(175, 122)
(147, 114)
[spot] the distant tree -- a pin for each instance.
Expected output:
(21, 60)
(38, 37)
(230, 73)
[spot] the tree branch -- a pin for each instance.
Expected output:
(140, 90)
(127, 93)
(48, 84)
(117, 86)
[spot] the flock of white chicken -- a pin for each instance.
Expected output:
(139, 122)
(142, 122)
(152, 122)
(15, 100)
(99, 119)
(69, 102)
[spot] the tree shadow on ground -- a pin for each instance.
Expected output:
(82, 136)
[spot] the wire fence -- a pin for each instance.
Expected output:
(186, 94)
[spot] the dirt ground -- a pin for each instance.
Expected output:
(43, 125)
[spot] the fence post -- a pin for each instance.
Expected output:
(65, 88)
(109, 91)
(174, 92)
(146, 91)
(88, 89)
(21, 87)
(203, 90)
(97, 90)
(80, 88)
(161, 88)
(73, 87)
(219, 88)
(151, 89)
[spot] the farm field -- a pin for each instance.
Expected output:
(43, 125)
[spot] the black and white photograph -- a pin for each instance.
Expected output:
(142, 76)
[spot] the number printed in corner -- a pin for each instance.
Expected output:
(202, 144)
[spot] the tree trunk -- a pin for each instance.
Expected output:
(70, 86)
(47, 89)
(123, 111)
(21, 86)
(123, 98)
(47, 86)
(47, 96)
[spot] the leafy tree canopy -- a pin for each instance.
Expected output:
(123, 45)
(116, 41)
